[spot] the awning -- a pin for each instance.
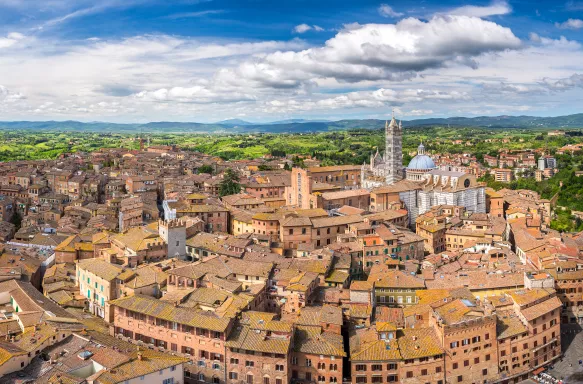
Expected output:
(538, 370)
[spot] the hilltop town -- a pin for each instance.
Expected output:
(161, 264)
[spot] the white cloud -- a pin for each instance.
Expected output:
(388, 11)
(11, 39)
(190, 15)
(534, 37)
(302, 28)
(494, 9)
(7, 96)
(575, 80)
(419, 112)
(448, 64)
(393, 52)
(570, 24)
(198, 94)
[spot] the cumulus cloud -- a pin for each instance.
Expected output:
(494, 9)
(381, 98)
(447, 63)
(197, 94)
(393, 52)
(573, 81)
(509, 88)
(570, 24)
(302, 28)
(10, 39)
(388, 11)
(8, 96)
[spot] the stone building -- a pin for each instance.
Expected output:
(173, 232)
(387, 169)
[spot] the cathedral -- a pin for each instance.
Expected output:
(421, 185)
(387, 169)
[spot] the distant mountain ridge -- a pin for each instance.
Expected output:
(297, 125)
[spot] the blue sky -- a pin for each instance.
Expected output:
(189, 60)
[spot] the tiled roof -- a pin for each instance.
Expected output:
(314, 316)
(313, 341)
(540, 309)
(366, 346)
(393, 279)
(162, 310)
(419, 342)
(508, 324)
(101, 268)
(250, 339)
(151, 362)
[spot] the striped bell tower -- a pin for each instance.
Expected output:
(393, 151)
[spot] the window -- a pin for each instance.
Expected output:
(437, 369)
(377, 367)
(484, 372)
(279, 367)
(249, 379)
(361, 379)
(233, 375)
(409, 374)
(453, 344)
(173, 368)
(294, 360)
(266, 380)
(361, 367)
(460, 379)
(423, 372)
(466, 363)
(249, 363)
(168, 381)
(308, 363)
(234, 361)
(454, 366)
(487, 357)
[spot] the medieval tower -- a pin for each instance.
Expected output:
(393, 151)
(174, 234)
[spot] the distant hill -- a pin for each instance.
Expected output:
(234, 122)
(297, 125)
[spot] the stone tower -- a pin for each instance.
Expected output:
(393, 151)
(173, 232)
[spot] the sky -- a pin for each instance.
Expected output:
(260, 61)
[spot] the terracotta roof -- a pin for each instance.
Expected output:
(101, 268)
(150, 306)
(312, 340)
(419, 342)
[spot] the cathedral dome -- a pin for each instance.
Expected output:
(421, 161)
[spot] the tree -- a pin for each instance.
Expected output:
(230, 183)
(206, 168)
(264, 167)
(16, 219)
(287, 167)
